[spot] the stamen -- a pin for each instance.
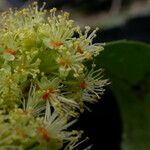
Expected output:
(44, 134)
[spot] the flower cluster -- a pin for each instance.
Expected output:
(44, 81)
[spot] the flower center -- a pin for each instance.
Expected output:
(64, 62)
(83, 84)
(20, 133)
(79, 50)
(48, 93)
(27, 112)
(10, 51)
(44, 134)
(56, 44)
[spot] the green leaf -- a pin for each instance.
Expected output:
(127, 65)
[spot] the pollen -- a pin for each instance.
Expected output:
(47, 94)
(56, 44)
(10, 51)
(83, 84)
(44, 134)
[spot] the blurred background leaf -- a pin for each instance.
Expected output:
(127, 65)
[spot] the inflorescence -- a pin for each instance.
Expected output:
(44, 81)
